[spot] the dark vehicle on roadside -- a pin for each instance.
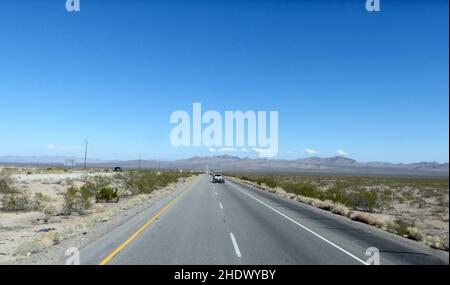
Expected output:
(117, 169)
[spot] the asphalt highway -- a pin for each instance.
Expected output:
(234, 223)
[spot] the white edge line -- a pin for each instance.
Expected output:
(220, 204)
(302, 226)
(235, 245)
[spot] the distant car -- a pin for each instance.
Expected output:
(117, 169)
(218, 178)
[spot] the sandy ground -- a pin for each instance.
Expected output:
(55, 177)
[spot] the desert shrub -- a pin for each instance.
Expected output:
(22, 202)
(86, 196)
(144, 182)
(101, 181)
(439, 241)
(245, 178)
(405, 228)
(107, 194)
(367, 218)
(76, 200)
(6, 184)
(338, 196)
(365, 200)
(269, 181)
(41, 202)
(89, 189)
(28, 247)
(15, 202)
(415, 233)
(307, 190)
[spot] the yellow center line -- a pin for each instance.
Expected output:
(107, 259)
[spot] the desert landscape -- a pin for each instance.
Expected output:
(41, 207)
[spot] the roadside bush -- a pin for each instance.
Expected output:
(28, 247)
(404, 228)
(15, 202)
(364, 200)
(144, 182)
(269, 181)
(6, 186)
(439, 241)
(41, 202)
(306, 190)
(100, 181)
(76, 200)
(338, 196)
(107, 194)
(22, 202)
(89, 190)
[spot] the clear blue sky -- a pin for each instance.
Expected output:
(374, 85)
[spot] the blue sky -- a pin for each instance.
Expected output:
(374, 85)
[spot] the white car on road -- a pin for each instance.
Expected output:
(217, 178)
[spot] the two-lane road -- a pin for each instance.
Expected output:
(234, 223)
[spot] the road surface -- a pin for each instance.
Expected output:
(233, 223)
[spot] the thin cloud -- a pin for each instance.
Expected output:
(65, 148)
(341, 152)
(310, 151)
(223, 149)
(261, 149)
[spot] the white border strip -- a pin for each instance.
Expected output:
(235, 245)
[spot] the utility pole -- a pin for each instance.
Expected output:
(85, 153)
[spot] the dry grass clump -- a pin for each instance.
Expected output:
(406, 229)
(340, 210)
(28, 247)
(438, 242)
(6, 184)
(367, 218)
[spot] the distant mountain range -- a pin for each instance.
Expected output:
(45, 159)
(336, 164)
